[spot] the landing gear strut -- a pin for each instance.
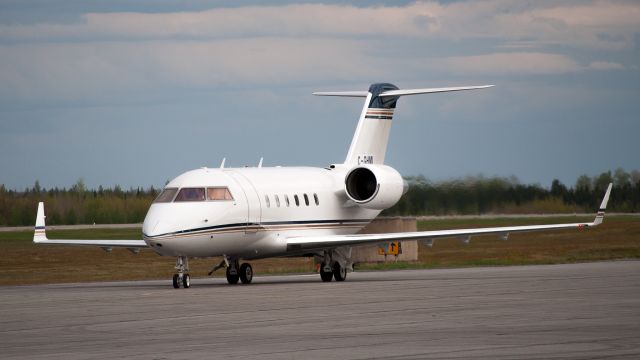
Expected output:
(181, 278)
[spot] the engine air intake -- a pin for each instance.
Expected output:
(361, 184)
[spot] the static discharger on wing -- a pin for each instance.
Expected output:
(259, 212)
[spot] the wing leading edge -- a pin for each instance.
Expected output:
(324, 242)
(40, 237)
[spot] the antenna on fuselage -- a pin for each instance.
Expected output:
(260, 163)
(222, 163)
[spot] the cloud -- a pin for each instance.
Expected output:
(85, 72)
(520, 63)
(605, 65)
(251, 21)
(600, 24)
(116, 56)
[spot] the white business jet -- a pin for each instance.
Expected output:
(261, 212)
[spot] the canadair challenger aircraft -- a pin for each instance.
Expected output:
(261, 212)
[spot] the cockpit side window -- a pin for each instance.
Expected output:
(219, 193)
(166, 195)
(190, 194)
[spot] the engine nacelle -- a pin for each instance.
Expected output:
(375, 186)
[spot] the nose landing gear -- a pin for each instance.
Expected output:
(182, 278)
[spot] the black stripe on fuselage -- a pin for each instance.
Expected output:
(382, 117)
(271, 223)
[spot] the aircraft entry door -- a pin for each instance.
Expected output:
(254, 209)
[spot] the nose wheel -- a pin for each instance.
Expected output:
(184, 281)
(182, 278)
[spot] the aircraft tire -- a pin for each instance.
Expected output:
(232, 278)
(176, 282)
(186, 281)
(339, 272)
(326, 276)
(246, 273)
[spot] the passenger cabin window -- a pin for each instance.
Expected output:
(306, 199)
(266, 200)
(219, 193)
(295, 197)
(277, 200)
(315, 197)
(166, 195)
(286, 199)
(190, 194)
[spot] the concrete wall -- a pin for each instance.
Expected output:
(387, 225)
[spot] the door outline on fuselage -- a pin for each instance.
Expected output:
(252, 198)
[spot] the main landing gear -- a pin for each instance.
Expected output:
(181, 277)
(331, 266)
(235, 272)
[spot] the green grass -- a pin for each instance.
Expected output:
(23, 262)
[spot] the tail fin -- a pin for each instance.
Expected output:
(369, 143)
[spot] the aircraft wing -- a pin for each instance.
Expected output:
(40, 237)
(333, 241)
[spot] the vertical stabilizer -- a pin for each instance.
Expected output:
(369, 143)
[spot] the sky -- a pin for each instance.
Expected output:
(135, 93)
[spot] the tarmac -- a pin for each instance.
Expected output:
(576, 311)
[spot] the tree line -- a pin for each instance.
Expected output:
(464, 196)
(499, 195)
(75, 205)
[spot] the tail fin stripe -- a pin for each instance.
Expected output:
(376, 113)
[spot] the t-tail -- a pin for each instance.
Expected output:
(369, 143)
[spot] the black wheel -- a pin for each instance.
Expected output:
(246, 273)
(326, 276)
(186, 281)
(339, 272)
(176, 281)
(232, 278)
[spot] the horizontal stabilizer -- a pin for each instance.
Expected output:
(400, 92)
(342, 93)
(431, 90)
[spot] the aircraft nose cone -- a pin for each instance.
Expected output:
(151, 225)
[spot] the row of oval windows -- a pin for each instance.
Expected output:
(296, 199)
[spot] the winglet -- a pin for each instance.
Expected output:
(603, 206)
(39, 234)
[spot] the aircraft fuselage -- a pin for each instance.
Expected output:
(267, 205)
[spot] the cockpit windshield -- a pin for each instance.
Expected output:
(166, 195)
(190, 194)
(194, 194)
(219, 193)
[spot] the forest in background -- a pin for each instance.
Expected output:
(466, 196)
